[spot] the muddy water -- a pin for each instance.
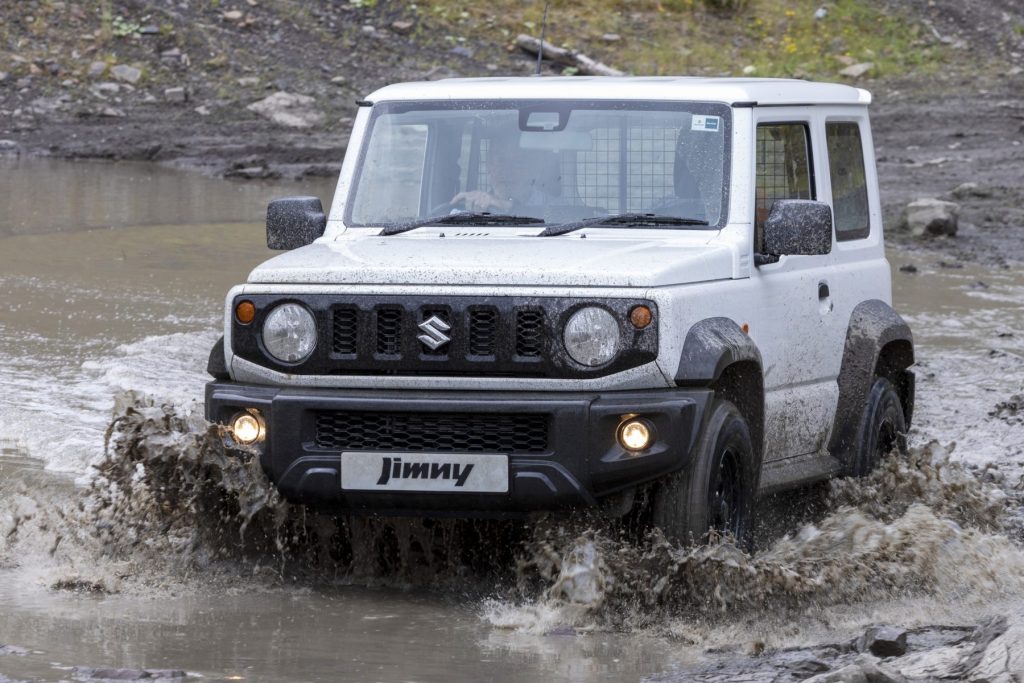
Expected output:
(112, 278)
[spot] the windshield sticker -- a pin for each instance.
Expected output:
(711, 124)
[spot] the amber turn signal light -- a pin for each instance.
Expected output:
(641, 317)
(245, 312)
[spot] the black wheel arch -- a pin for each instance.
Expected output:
(719, 355)
(879, 343)
(216, 366)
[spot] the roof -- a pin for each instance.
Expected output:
(762, 91)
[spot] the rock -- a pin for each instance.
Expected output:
(930, 217)
(940, 662)
(97, 69)
(166, 673)
(202, 110)
(9, 147)
(339, 80)
(821, 13)
(149, 30)
(908, 268)
(857, 70)
(4, 76)
(883, 641)
(611, 37)
(461, 51)
(233, 15)
(1002, 660)
(12, 649)
(106, 88)
(1015, 71)
(111, 112)
(848, 674)
(491, 67)
(402, 28)
(965, 190)
(286, 109)
(176, 95)
(112, 674)
(172, 55)
(808, 667)
(368, 30)
(248, 81)
(875, 672)
(128, 74)
(749, 69)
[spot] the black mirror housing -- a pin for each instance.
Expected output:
(798, 227)
(294, 222)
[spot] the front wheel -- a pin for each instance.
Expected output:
(883, 428)
(715, 492)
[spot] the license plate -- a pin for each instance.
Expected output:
(427, 472)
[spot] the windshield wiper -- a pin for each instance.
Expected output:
(624, 218)
(464, 217)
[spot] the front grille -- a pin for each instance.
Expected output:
(389, 331)
(486, 336)
(432, 432)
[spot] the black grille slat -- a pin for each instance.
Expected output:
(483, 332)
(345, 326)
(389, 331)
(432, 432)
(529, 332)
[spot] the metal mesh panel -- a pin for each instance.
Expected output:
(483, 332)
(783, 170)
(529, 332)
(389, 331)
(597, 171)
(345, 330)
(433, 432)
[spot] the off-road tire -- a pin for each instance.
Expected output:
(715, 491)
(883, 428)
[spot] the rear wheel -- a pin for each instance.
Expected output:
(715, 493)
(883, 428)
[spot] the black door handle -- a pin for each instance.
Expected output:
(823, 292)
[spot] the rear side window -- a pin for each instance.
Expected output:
(849, 184)
(783, 169)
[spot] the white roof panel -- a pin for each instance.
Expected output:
(763, 91)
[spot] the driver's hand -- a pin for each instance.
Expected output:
(478, 201)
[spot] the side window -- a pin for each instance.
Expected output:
(783, 169)
(849, 184)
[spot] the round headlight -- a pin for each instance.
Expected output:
(592, 336)
(289, 333)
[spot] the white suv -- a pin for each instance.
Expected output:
(545, 293)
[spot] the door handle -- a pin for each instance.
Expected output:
(823, 291)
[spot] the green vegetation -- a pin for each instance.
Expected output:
(759, 37)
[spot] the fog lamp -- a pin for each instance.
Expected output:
(636, 434)
(248, 428)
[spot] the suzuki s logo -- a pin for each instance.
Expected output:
(434, 332)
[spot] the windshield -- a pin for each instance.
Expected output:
(552, 161)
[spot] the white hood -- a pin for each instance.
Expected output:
(485, 256)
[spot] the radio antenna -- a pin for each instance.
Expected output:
(543, 32)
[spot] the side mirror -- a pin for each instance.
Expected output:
(797, 227)
(294, 222)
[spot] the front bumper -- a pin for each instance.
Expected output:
(577, 463)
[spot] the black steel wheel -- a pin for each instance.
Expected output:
(714, 493)
(883, 428)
